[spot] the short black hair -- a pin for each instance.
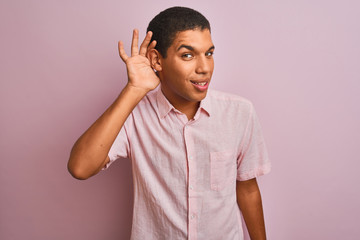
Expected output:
(169, 22)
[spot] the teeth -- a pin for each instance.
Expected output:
(200, 84)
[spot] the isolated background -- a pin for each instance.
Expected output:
(298, 61)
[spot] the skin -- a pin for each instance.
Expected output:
(249, 201)
(189, 59)
(90, 152)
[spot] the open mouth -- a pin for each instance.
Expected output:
(200, 86)
(199, 83)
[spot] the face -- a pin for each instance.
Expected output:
(186, 71)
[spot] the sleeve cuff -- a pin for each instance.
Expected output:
(108, 164)
(261, 170)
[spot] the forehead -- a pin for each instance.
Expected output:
(198, 39)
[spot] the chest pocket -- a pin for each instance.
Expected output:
(222, 170)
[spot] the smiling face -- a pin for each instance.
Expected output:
(186, 72)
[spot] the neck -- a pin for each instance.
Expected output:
(187, 107)
(189, 110)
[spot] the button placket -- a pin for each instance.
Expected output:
(192, 200)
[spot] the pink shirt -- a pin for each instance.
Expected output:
(184, 171)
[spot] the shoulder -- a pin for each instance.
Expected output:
(148, 100)
(147, 107)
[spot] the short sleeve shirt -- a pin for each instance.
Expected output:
(185, 171)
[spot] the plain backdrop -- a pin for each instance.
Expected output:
(297, 61)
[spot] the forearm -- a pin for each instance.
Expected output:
(250, 204)
(89, 153)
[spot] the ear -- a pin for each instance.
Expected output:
(155, 59)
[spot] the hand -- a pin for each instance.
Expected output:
(140, 73)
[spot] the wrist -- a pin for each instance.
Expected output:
(136, 91)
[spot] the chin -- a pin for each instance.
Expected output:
(199, 98)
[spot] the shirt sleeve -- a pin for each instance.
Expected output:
(253, 160)
(120, 147)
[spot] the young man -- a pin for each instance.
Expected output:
(195, 153)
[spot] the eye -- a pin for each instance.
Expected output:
(187, 56)
(209, 54)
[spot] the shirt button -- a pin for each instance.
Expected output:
(191, 187)
(192, 216)
(190, 157)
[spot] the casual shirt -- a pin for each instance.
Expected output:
(185, 171)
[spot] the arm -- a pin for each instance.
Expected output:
(249, 201)
(89, 154)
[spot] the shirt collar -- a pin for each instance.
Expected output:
(164, 106)
(205, 104)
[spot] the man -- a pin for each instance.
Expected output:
(195, 153)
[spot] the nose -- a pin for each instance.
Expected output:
(204, 65)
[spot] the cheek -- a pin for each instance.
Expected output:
(178, 71)
(212, 64)
(181, 70)
(185, 68)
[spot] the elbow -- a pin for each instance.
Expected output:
(77, 175)
(76, 166)
(76, 171)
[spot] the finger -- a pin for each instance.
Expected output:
(152, 45)
(134, 43)
(145, 43)
(122, 53)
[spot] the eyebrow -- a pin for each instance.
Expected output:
(192, 49)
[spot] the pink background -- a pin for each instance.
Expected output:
(298, 61)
